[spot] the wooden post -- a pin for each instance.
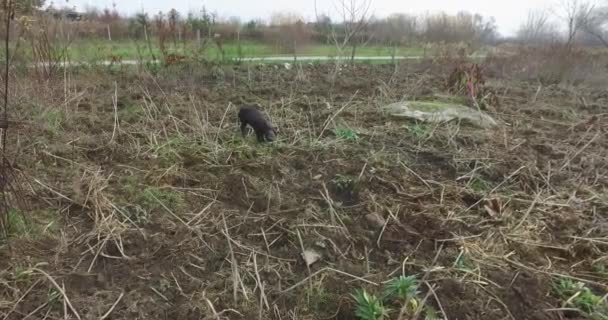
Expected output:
(198, 37)
(109, 33)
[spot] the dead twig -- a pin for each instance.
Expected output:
(60, 289)
(107, 314)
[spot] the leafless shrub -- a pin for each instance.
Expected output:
(551, 64)
(396, 29)
(462, 27)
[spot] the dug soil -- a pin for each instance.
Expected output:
(142, 200)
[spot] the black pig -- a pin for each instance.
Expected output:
(249, 115)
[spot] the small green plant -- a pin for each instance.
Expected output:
(343, 183)
(369, 307)
(54, 297)
(169, 151)
(430, 314)
(478, 184)
(131, 113)
(578, 295)
(463, 262)
(402, 288)
(419, 130)
(152, 67)
(346, 134)
(601, 268)
(401, 292)
(17, 224)
(54, 120)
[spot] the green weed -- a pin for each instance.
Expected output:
(20, 226)
(152, 67)
(463, 262)
(402, 288)
(131, 113)
(601, 268)
(401, 292)
(168, 152)
(54, 297)
(346, 134)
(151, 196)
(344, 183)
(369, 307)
(478, 184)
(54, 120)
(430, 313)
(17, 224)
(20, 272)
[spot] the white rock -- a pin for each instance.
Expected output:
(436, 112)
(310, 256)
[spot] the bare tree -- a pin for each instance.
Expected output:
(537, 29)
(395, 30)
(289, 31)
(462, 27)
(597, 25)
(355, 20)
(575, 13)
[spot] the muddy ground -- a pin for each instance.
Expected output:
(144, 202)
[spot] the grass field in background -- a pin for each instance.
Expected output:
(90, 50)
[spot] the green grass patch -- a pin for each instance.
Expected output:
(478, 184)
(576, 294)
(34, 225)
(53, 120)
(92, 50)
(151, 198)
(131, 114)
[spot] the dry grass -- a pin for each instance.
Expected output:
(161, 209)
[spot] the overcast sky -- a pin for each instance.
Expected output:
(508, 13)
